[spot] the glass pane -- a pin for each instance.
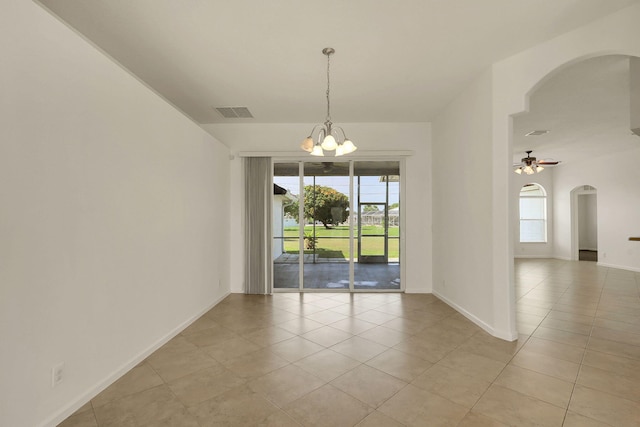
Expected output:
(532, 231)
(372, 190)
(326, 231)
(372, 245)
(285, 249)
(372, 219)
(394, 248)
(533, 208)
(378, 209)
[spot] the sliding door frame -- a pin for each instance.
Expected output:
(353, 214)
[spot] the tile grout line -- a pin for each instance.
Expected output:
(372, 367)
(575, 382)
(520, 349)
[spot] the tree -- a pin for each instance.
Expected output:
(370, 209)
(323, 204)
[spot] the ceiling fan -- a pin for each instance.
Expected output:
(333, 166)
(530, 165)
(326, 168)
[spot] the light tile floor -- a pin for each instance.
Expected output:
(396, 360)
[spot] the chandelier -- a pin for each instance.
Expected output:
(529, 165)
(328, 137)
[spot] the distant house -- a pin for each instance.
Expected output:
(377, 217)
(281, 198)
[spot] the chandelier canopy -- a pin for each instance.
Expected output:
(327, 137)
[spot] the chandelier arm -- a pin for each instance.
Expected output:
(313, 130)
(344, 135)
(321, 134)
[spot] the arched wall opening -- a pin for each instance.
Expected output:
(581, 117)
(514, 80)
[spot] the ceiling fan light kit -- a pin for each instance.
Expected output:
(329, 137)
(530, 165)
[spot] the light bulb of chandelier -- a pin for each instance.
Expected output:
(317, 150)
(539, 168)
(348, 147)
(329, 143)
(340, 150)
(529, 170)
(307, 144)
(518, 171)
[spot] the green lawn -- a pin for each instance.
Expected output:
(334, 242)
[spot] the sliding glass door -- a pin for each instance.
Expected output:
(336, 225)
(378, 227)
(286, 229)
(326, 232)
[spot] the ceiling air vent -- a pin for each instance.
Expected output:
(537, 133)
(235, 112)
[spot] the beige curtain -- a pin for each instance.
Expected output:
(258, 192)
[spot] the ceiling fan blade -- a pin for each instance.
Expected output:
(548, 162)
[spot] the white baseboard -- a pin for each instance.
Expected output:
(619, 267)
(110, 379)
(603, 264)
(534, 256)
(417, 291)
(505, 335)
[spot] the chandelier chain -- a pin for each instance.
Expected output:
(328, 88)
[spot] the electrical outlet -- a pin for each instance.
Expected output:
(57, 373)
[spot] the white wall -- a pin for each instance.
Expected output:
(114, 219)
(616, 179)
(283, 141)
(462, 196)
(532, 250)
(587, 222)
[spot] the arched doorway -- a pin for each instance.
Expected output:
(513, 96)
(580, 116)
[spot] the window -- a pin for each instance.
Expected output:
(533, 214)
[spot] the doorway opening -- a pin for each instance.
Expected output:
(584, 223)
